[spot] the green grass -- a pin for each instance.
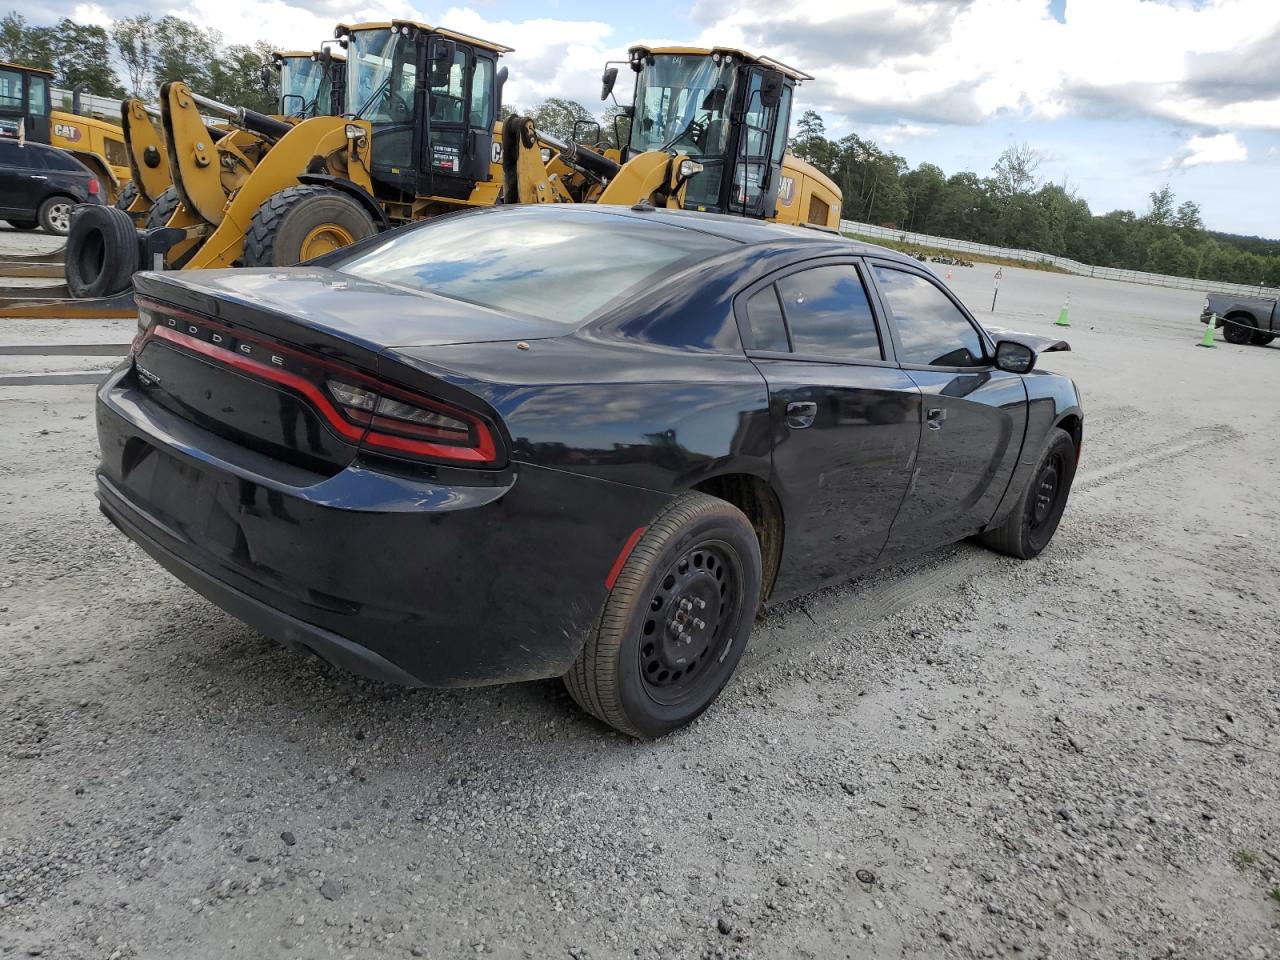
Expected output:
(958, 255)
(1244, 858)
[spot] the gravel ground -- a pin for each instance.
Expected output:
(964, 756)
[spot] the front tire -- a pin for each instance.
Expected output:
(300, 223)
(55, 215)
(1261, 338)
(1032, 522)
(676, 622)
(1236, 333)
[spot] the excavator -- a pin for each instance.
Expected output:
(418, 138)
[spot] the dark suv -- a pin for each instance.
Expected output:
(40, 184)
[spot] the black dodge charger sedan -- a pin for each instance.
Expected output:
(569, 441)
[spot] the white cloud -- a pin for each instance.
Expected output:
(1198, 151)
(898, 132)
(91, 13)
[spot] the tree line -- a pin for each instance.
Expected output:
(1011, 207)
(152, 51)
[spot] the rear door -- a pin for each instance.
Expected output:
(21, 187)
(845, 419)
(975, 416)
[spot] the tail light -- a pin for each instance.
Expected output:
(407, 423)
(363, 410)
(94, 186)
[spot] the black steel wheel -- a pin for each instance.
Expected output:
(1031, 524)
(1236, 333)
(676, 621)
(1261, 338)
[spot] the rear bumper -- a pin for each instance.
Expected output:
(382, 573)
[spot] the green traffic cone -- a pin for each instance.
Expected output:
(1062, 314)
(1207, 339)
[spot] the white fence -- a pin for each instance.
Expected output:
(1071, 266)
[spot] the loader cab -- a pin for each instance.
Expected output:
(310, 83)
(727, 109)
(25, 102)
(431, 97)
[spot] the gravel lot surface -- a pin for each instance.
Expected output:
(965, 756)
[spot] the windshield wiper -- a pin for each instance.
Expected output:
(384, 86)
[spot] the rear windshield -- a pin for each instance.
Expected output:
(536, 263)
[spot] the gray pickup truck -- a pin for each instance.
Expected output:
(1243, 319)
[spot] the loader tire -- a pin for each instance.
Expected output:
(300, 223)
(163, 208)
(128, 194)
(102, 251)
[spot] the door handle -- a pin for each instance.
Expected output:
(801, 414)
(935, 416)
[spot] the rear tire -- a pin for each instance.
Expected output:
(1034, 519)
(1261, 338)
(102, 251)
(1236, 333)
(676, 622)
(55, 215)
(301, 223)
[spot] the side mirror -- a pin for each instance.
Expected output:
(771, 89)
(442, 49)
(607, 81)
(1014, 357)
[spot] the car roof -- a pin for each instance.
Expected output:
(743, 230)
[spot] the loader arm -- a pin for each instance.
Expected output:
(193, 155)
(148, 155)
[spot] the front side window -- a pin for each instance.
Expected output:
(932, 328)
(36, 92)
(481, 94)
(10, 90)
(447, 79)
(829, 314)
(525, 262)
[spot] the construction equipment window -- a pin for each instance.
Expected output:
(380, 77)
(482, 94)
(10, 90)
(682, 104)
(36, 88)
(448, 90)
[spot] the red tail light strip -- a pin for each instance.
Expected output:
(482, 453)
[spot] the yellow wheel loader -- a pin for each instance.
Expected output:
(26, 112)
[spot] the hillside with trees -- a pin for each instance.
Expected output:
(1011, 207)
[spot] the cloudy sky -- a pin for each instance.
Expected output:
(1118, 95)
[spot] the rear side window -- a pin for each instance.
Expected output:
(828, 313)
(766, 330)
(11, 154)
(932, 328)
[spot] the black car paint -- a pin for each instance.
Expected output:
(449, 575)
(29, 177)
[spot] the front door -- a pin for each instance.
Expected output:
(753, 187)
(846, 420)
(974, 415)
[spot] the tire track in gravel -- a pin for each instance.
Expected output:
(1158, 453)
